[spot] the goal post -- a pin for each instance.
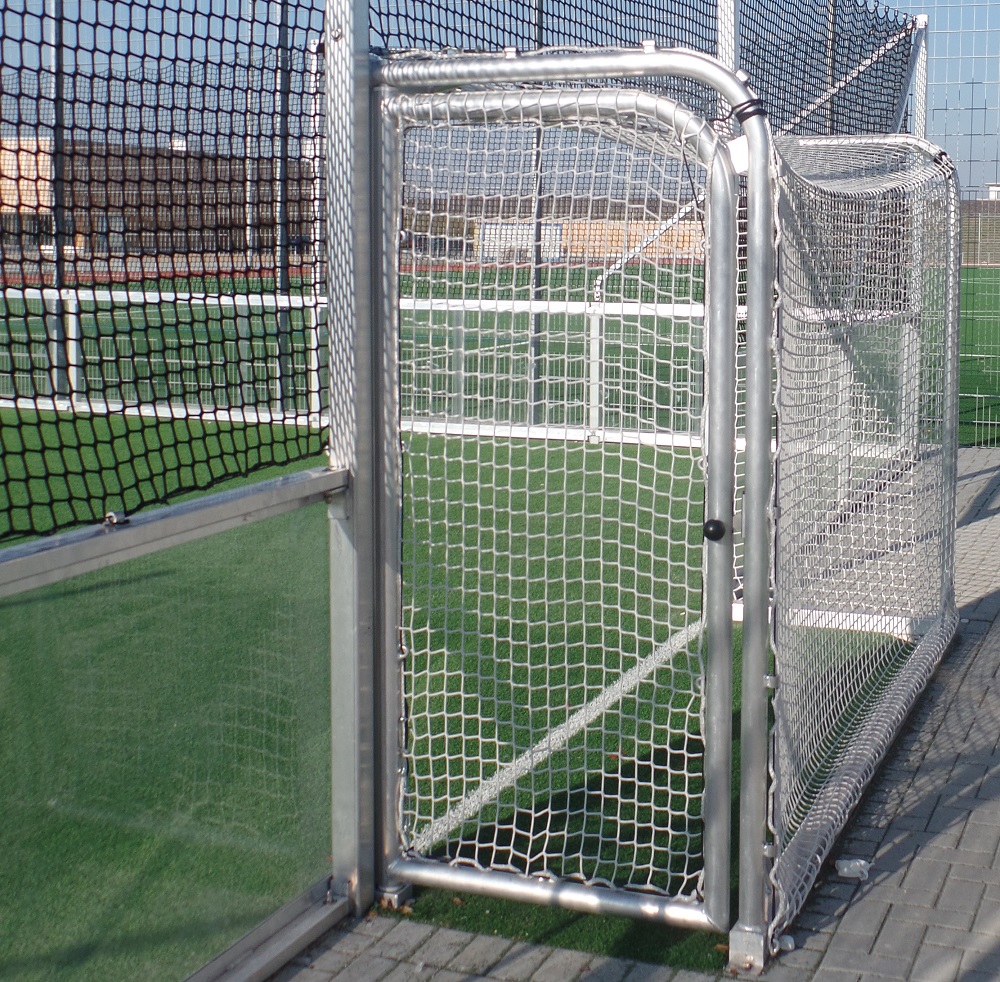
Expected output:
(517, 445)
(530, 665)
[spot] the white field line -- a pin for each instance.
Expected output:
(567, 434)
(125, 298)
(693, 311)
(164, 410)
(490, 790)
(570, 307)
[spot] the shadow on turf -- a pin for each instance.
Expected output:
(73, 588)
(615, 820)
(110, 946)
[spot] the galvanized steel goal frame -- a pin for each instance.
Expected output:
(367, 859)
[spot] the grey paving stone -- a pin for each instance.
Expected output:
(980, 838)
(989, 788)
(349, 941)
(404, 938)
(848, 960)
(644, 972)
(520, 962)
(780, 972)
(449, 975)
(947, 818)
(987, 919)
(367, 967)
(842, 889)
(983, 962)
(441, 947)
(301, 973)
(830, 974)
(863, 919)
(816, 922)
(935, 964)
(810, 940)
(960, 920)
(801, 959)
(945, 937)
(831, 906)
(605, 969)
(410, 972)
(332, 960)
(843, 941)
(481, 954)
(960, 895)
(926, 876)
(970, 975)
(561, 966)
(899, 938)
(942, 852)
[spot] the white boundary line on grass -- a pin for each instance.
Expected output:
(125, 298)
(490, 790)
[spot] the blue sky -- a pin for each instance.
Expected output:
(99, 33)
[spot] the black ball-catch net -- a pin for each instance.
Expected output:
(162, 306)
(820, 67)
(162, 315)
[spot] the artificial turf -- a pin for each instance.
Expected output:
(979, 357)
(164, 754)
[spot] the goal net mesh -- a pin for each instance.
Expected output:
(552, 517)
(865, 472)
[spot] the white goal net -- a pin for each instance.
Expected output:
(865, 476)
(552, 321)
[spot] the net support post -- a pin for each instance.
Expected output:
(919, 58)
(352, 875)
(76, 376)
(354, 438)
(285, 395)
(386, 200)
(55, 326)
(595, 405)
(748, 941)
(720, 485)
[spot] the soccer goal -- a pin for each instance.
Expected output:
(647, 416)
(567, 486)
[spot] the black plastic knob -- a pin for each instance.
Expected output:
(714, 529)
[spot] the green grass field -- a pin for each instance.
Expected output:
(69, 468)
(164, 754)
(979, 358)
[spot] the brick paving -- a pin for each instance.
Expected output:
(929, 825)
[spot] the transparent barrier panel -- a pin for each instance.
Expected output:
(164, 754)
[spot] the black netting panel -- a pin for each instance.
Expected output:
(494, 26)
(491, 27)
(162, 323)
(796, 53)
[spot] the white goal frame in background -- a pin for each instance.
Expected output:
(67, 357)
